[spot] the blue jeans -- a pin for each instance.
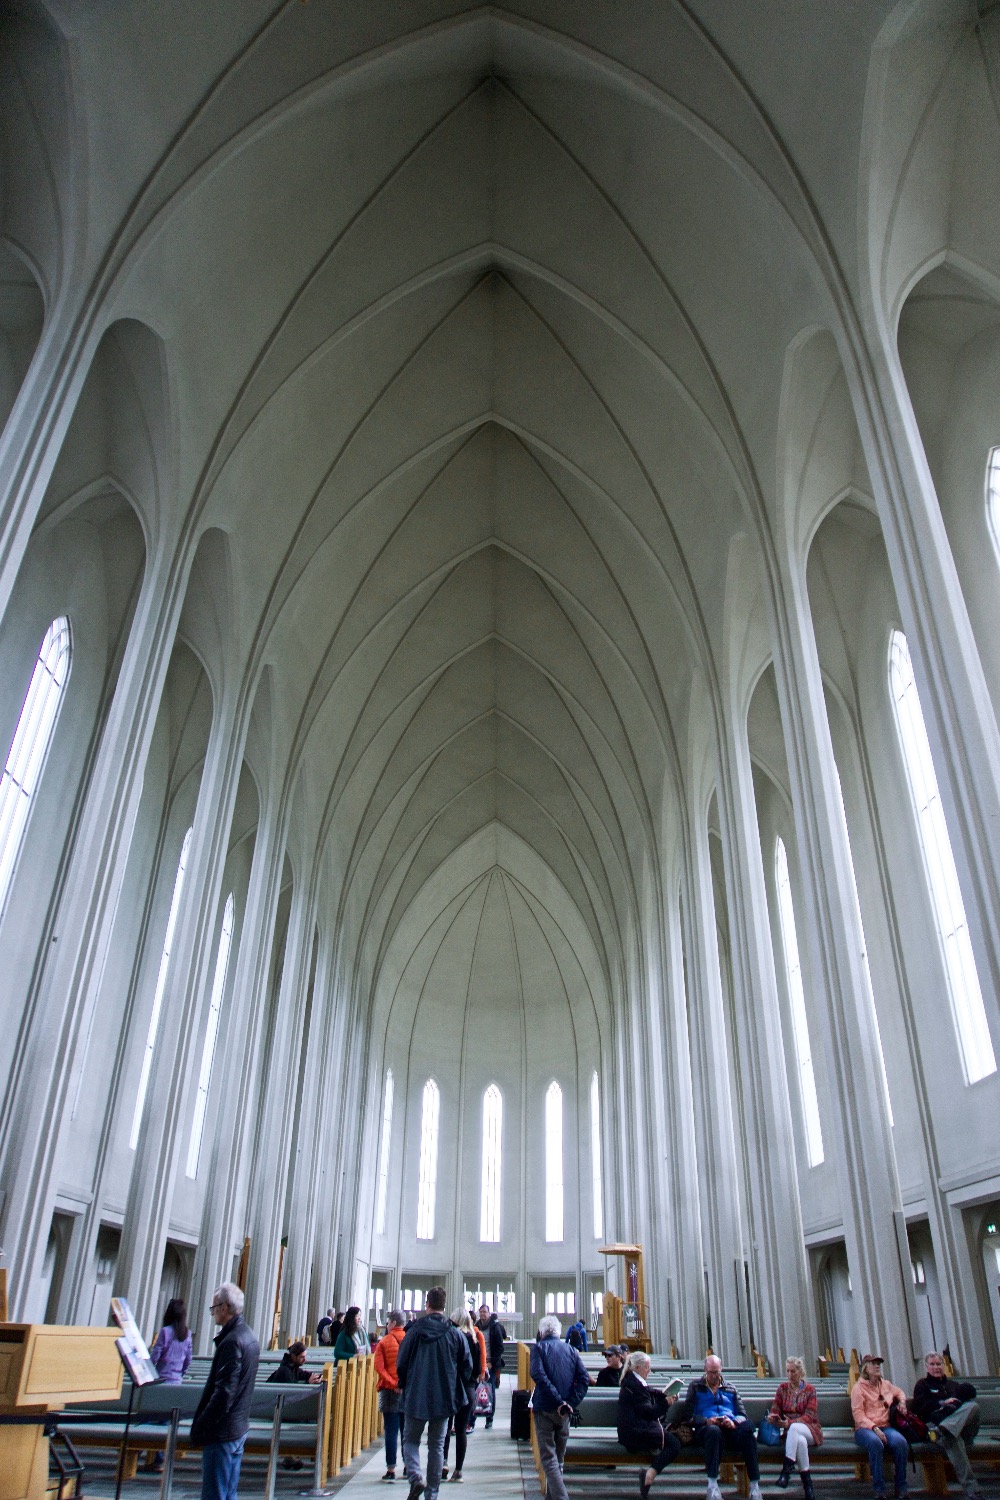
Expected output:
(220, 1469)
(392, 1421)
(874, 1452)
(413, 1429)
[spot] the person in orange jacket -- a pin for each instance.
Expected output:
(390, 1397)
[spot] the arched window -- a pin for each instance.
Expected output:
(427, 1184)
(161, 984)
(489, 1212)
(595, 1155)
(964, 993)
(211, 1035)
(383, 1155)
(993, 495)
(865, 966)
(553, 1163)
(797, 1004)
(30, 745)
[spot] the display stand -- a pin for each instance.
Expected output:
(625, 1318)
(42, 1368)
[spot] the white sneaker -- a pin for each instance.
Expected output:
(713, 1492)
(755, 1491)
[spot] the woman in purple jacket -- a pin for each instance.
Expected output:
(171, 1354)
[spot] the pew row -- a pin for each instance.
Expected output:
(329, 1423)
(594, 1444)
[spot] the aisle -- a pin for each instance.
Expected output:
(492, 1469)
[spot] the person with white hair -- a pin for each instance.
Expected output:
(220, 1423)
(561, 1382)
(642, 1426)
(795, 1413)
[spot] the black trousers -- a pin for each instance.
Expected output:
(661, 1442)
(739, 1439)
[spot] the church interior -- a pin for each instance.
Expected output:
(499, 666)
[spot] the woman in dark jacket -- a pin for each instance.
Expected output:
(642, 1426)
(462, 1320)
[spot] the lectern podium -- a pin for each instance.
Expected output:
(42, 1367)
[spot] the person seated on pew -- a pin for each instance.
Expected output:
(642, 1426)
(871, 1400)
(612, 1372)
(291, 1371)
(950, 1406)
(795, 1413)
(715, 1412)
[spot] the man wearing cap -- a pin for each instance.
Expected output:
(951, 1406)
(871, 1400)
(612, 1372)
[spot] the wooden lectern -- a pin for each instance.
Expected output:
(42, 1367)
(625, 1318)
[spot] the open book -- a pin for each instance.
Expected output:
(675, 1386)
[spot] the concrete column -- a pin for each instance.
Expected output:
(61, 994)
(226, 1216)
(275, 1140)
(869, 1186)
(717, 1178)
(174, 1076)
(783, 1318)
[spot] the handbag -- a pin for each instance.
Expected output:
(482, 1401)
(907, 1425)
(769, 1433)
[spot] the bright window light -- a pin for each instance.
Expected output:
(383, 1156)
(860, 935)
(211, 1036)
(595, 1155)
(553, 1163)
(964, 993)
(30, 744)
(489, 1213)
(427, 1185)
(161, 984)
(797, 1002)
(993, 494)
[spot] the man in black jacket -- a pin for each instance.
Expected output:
(951, 1407)
(432, 1365)
(219, 1426)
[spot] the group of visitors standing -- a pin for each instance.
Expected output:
(436, 1373)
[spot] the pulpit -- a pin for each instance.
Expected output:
(42, 1367)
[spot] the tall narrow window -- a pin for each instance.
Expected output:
(595, 1155)
(427, 1184)
(211, 1036)
(964, 994)
(797, 1003)
(993, 494)
(489, 1213)
(553, 1163)
(866, 967)
(383, 1155)
(30, 744)
(161, 984)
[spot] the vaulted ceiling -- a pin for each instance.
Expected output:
(474, 324)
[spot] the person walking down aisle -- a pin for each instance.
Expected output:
(220, 1423)
(390, 1397)
(434, 1366)
(561, 1382)
(871, 1400)
(950, 1405)
(494, 1334)
(715, 1410)
(462, 1320)
(795, 1414)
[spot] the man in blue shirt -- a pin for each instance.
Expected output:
(561, 1382)
(714, 1409)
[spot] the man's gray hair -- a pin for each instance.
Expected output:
(230, 1294)
(550, 1325)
